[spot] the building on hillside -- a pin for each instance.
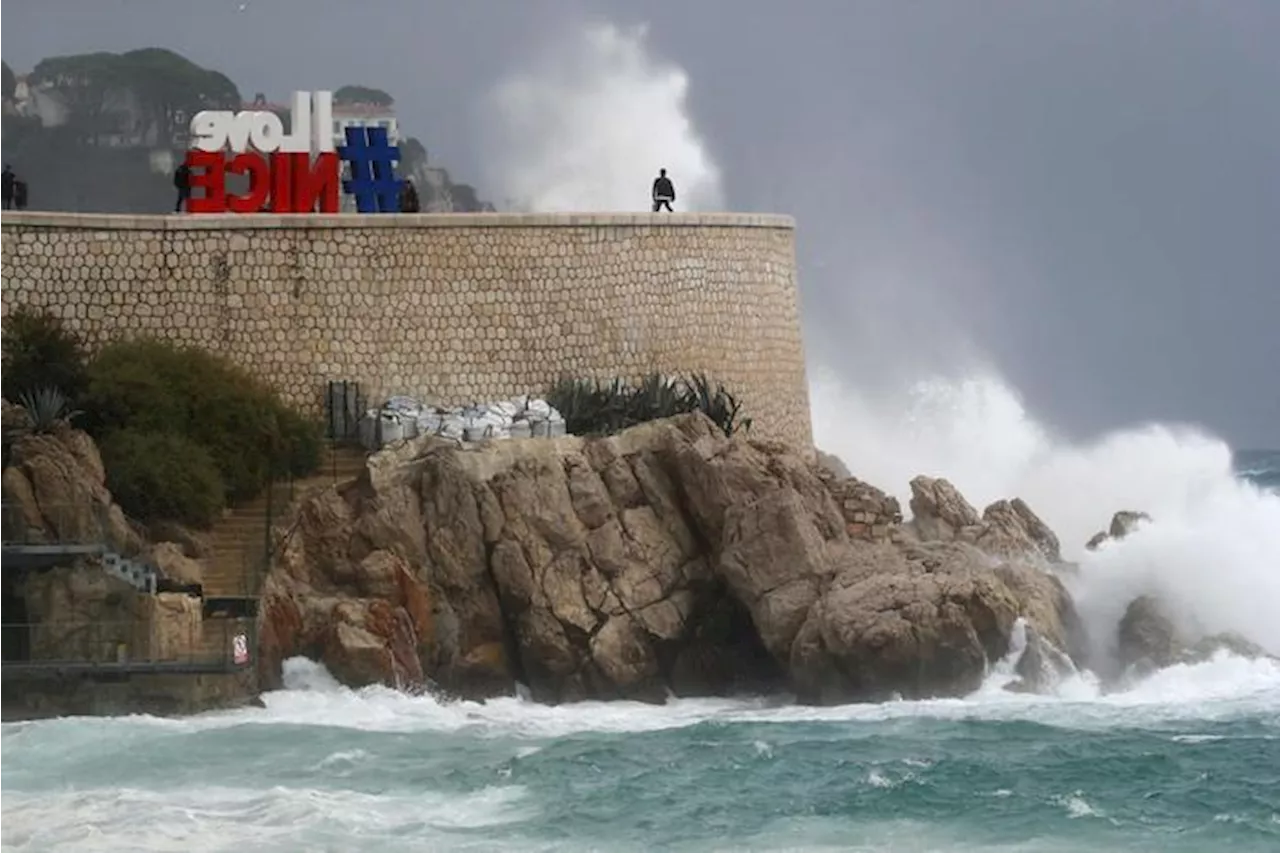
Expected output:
(363, 115)
(41, 102)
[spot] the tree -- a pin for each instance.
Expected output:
(362, 95)
(172, 88)
(85, 82)
(151, 90)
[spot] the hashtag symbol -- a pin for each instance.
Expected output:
(373, 178)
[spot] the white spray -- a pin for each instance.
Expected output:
(587, 125)
(1212, 551)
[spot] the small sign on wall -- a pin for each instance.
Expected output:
(240, 649)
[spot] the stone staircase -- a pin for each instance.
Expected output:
(239, 538)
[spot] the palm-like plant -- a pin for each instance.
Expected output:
(47, 409)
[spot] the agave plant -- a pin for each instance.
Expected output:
(593, 407)
(717, 403)
(47, 409)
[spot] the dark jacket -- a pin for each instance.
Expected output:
(662, 188)
(182, 177)
(6, 183)
(409, 200)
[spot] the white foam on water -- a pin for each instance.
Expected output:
(223, 818)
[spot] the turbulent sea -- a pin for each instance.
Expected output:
(1188, 759)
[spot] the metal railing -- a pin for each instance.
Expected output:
(344, 405)
(166, 641)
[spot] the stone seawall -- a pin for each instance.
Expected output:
(451, 308)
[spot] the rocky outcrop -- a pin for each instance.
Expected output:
(665, 558)
(1006, 529)
(1149, 638)
(55, 491)
(1123, 523)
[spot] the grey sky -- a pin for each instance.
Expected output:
(1085, 194)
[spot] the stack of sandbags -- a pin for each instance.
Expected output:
(404, 417)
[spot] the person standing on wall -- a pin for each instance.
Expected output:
(409, 198)
(19, 194)
(663, 192)
(182, 180)
(6, 182)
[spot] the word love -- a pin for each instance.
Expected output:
(283, 176)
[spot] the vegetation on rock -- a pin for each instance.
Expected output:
(182, 430)
(158, 387)
(591, 407)
(162, 475)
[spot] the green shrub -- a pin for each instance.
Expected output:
(304, 440)
(39, 352)
(162, 475)
(155, 386)
(592, 408)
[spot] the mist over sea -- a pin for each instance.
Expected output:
(1186, 760)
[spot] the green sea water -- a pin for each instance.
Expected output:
(1188, 760)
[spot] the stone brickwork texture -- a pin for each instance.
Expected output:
(450, 308)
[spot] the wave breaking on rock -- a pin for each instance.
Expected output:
(665, 560)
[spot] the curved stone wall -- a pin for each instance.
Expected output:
(448, 307)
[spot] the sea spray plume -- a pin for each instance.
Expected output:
(587, 125)
(1212, 550)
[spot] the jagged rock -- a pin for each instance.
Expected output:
(920, 621)
(56, 484)
(667, 557)
(169, 558)
(1013, 531)
(1006, 529)
(1123, 523)
(368, 641)
(939, 512)
(1149, 638)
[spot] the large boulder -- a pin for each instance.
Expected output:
(1149, 637)
(55, 491)
(921, 621)
(665, 558)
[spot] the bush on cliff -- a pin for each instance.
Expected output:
(161, 475)
(591, 407)
(153, 386)
(39, 353)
